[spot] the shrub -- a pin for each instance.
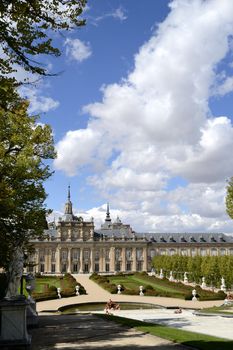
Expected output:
(67, 292)
(52, 289)
(131, 291)
(148, 287)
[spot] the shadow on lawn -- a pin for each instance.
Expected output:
(85, 331)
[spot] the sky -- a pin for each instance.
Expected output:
(141, 112)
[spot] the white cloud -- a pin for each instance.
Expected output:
(226, 87)
(118, 13)
(38, 102)
(77, 50)
(156, 125)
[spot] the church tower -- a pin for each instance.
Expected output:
(68, 216)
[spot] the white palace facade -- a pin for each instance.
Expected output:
(75, 246)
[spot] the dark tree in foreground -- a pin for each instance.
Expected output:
(26, 28)
(25, 148)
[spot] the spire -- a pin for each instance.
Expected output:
(108, 218)
(68, 205)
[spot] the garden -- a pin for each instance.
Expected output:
(152, 286)
(46, 287)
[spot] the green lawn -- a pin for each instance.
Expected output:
(41, 282)
(227, 310)
(195, 340)
(134, 281)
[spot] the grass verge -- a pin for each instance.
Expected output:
(195, 340)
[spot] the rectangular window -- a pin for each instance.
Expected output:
(97, 255)
(75, 254)
(118, 267)
(75, 268)
(86, 254)
(42, 257)
(42, 268)
(64, 255)
(128, 266)
(107, 267)
(97, 268)
(139, 254)
(63, 269)
(86, 268)
(118, 253)
(53, 255)
(107, 254)
(139, 266)
(128, 254)
(53, 268)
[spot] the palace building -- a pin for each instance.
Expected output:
(74, 245)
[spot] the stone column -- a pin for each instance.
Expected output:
(37, 260)
(112, 259)
(123, 266)
(69, 260)
(102, 260)
(49, 261)
(81, 260)
(91, 260)
(144, 268)
(58, 257)
(134, 255)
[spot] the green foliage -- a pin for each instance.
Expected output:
(25, 26)
(152, 286)
(46, 287)
(229, 198)
(211, 267)
(25, 145)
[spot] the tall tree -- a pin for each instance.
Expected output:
(229, 198)
(26, 30)
(25, 147)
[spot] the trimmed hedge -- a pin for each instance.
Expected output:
(67, 285)
(180, 290)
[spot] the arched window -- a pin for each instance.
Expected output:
(222, 251)
(203, 252)
(214, 252)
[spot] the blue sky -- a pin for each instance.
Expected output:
(142, 114)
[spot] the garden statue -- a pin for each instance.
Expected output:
(161, 274)
(141, 291)
(203, 285)
(194, 293)
(171, 278)
(59, 293)
(223, 286)
(15, 273)
(185, 278)
(77, 290)
(119, 289)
